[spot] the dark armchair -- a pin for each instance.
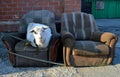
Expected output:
(83, 43)
(17, 46)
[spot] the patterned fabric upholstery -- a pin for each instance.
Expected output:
(38, 16)
(22, 48)
(83, 43)
(81, 25)
(86, 48)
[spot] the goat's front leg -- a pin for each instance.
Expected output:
(37, 49)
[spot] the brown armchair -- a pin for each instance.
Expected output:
(17, 46)
(83, 43)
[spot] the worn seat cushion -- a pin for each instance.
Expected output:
(21, 47)
(90, 48)
(30, 52)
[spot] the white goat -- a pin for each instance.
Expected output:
(38, 34)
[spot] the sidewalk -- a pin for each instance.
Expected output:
(112, 25)
(6, 70)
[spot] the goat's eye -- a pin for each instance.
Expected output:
(35, 32)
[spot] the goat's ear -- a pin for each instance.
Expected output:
(45, 27)
(32, 31)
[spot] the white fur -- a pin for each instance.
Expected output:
(40, 33)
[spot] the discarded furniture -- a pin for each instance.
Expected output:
(83, 43)
(17, 46)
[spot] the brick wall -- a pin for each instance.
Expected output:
(72, 5)
(11, 11)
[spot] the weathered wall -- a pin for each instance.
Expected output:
(11, 11)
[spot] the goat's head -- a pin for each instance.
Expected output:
(39, 32)
(39, 29)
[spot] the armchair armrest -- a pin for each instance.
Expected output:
(108, 38)
(54, 37)
(67, 39)
(9, 41)
(53, 46)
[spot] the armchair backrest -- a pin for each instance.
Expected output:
(81, 25)
(38, 16)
